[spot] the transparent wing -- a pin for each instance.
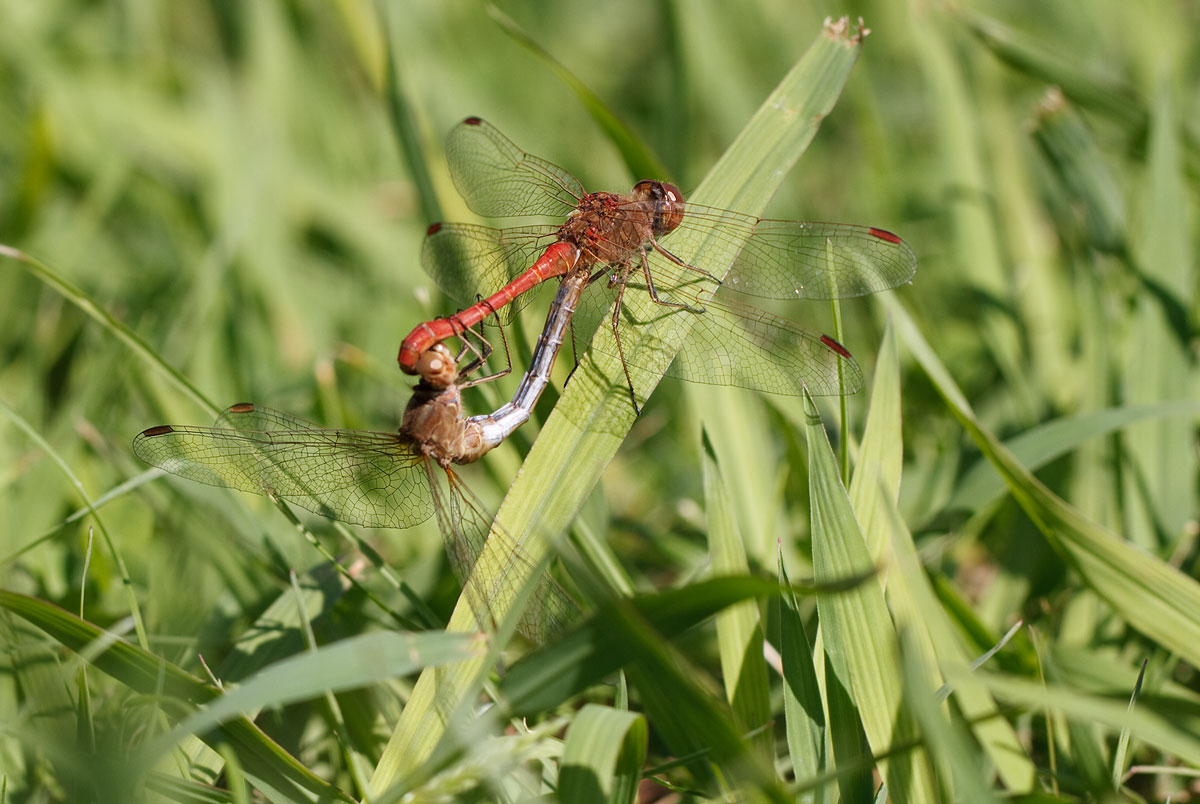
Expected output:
(367, 478)
(795, 259)
(770, 258)
(732, 344)
(468, 261)
(752, 348)
(490, 589)
(499, 180)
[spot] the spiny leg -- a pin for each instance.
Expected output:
(657, 247)
(483, 353)
(616, 328)
(654, 291)
(571, 326)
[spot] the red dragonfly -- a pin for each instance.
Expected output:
(606, 234)
(375, 479)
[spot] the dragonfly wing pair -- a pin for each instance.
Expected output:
(731, 342)
(367, 478)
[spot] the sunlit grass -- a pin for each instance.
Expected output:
(225, 202)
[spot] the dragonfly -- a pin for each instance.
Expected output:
(731, 342)
(378, 479)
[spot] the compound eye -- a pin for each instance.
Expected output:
(436, 366)
(669, 213)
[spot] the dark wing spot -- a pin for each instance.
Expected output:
(835, 346)
(884, 234)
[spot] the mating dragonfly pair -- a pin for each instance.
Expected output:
(381, 479)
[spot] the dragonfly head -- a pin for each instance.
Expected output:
(436, 366)
(667, 201)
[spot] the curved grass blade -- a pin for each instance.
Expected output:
(1036, 447)
(1148, 593)
(593, 415)
(603, 756)
(149, 674)
(859, 636)
(640, 160)
(739, 628)
(349, 664)
(134, 608)
(77, 296)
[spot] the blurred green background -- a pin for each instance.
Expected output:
(234, 183)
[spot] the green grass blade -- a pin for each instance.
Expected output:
(354, 662)
(1160, 363)
(860, 639)
(851, 756)
(743, 439)
(739, 630)
(77, 296)
(917, 610)
(1148, 593)
(149, 674)
(1038, 446)
(1120, 755)
(593, 414)
(640, 160)
(803, 709)
(882, 451)
(1101, 92)
(947, 737)
(603, 756)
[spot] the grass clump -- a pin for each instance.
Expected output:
(211, 203)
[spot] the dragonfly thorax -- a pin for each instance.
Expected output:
(433, 425)
(611, 228)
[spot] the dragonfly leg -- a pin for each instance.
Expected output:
(574, 353)
(482, 353)
(466, 337)
(654, 291)
(657, 247)
(616, 328)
